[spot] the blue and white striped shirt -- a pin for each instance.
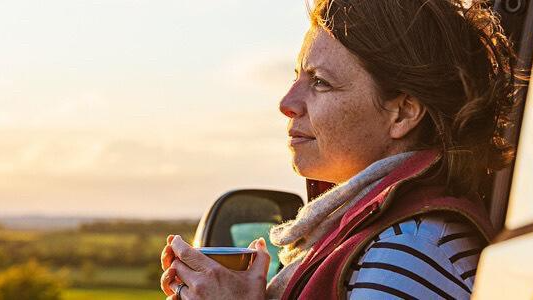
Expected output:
(428, 257)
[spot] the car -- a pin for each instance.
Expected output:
(506, 265)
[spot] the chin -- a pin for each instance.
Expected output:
(301, 166)
(310, 169)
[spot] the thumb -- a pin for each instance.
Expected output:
(262, 258)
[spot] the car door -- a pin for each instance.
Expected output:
(505, 270)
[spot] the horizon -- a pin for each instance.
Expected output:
(91, 217)
(43, 223)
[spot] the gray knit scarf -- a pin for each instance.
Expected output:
(316, 218)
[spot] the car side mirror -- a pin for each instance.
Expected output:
(244, 207)
(241, 216)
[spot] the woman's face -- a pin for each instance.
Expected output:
(335, 128)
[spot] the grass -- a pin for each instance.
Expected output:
(112, 294)
(118, 276)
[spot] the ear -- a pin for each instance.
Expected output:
(406, 112)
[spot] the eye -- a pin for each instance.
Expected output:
(320, 84)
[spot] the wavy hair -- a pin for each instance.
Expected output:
(455, 59)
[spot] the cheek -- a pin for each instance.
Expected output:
(333, 123)
(348, 129)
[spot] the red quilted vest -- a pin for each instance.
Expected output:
(323, 272)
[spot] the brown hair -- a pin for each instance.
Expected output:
(454, 59)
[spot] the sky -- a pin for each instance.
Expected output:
(143, 108)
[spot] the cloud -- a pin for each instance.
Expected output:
(98, 153)
(79, 172)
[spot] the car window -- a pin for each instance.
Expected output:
(243, 234)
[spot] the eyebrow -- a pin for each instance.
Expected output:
(313, 70)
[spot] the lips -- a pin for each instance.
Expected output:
(297, 137)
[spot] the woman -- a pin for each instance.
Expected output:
(400, 104)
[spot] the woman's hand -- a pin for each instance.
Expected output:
(207, 279)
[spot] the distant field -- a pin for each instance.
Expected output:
(112, 294)
(115, 260)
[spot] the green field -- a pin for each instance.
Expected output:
(112, 294)
(109, 260)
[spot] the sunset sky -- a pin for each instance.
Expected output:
(139, 108)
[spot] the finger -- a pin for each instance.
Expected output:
(252, 244)
(167, 256)
(172, 297)
(262, 258)
(192, 257)
(169, 239)
(167, 278)
(186, 274)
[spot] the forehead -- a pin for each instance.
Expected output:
(321, 49)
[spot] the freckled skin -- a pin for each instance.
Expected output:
(350, 131)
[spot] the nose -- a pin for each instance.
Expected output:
(293, 105)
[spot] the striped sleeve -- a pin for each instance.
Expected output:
(428, 258)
